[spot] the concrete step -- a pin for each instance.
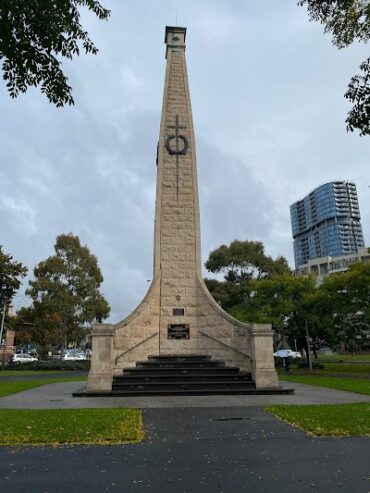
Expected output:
(162, 392)
(191, 384)
(183, 374)
(184, 377)
(182, 357)
(176, 363)
(181, 370)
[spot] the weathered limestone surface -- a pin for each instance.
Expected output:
(177, 280)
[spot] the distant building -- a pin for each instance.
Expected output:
(327, 265)
(326, 225)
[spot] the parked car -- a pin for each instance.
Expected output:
(287, 353)
(23, 358)
(74, 356)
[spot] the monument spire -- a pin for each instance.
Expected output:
(177, 231)
(178, 315)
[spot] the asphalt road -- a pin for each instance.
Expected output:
(197, 450)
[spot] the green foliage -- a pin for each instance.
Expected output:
(32, 36)
(327, 419)
(358, 93)
(11, 273)
(69, 426)
(19, 372)
(345, 297)
(243, 260)
(348, 21)
(240, 262)
(24, 324)
(337, 312)
(286, 302)
(65, 293)
(54, 365)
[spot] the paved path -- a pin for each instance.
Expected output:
(197, 450)
(59, 395)
(193, 444)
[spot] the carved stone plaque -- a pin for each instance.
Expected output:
(178, 331)
(178, 312)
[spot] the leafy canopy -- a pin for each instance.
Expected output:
(348, 21)
(240, 262)
(287, 301)
(243, 260)
(11, 273)
(65, 291)
(33, 34)
(346, 300)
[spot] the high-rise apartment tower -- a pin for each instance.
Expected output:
(326, 222)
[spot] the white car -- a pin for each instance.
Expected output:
(74, 356)
(287, 353)
(23, 358)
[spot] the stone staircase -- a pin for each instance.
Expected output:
(183, 375)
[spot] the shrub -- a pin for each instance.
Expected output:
(53, 364)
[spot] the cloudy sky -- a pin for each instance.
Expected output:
(267, 94)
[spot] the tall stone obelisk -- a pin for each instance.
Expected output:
(178, 315)
(177, 224)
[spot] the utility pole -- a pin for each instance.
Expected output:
(1, 331)
(308, 345)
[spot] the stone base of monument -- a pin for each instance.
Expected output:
(183, 375)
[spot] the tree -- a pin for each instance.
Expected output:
(286, 301)
(240, 262)
(11, 273)
(23, 325)
(348, 21)
(33, 34)
(65, 292)
(346, 300)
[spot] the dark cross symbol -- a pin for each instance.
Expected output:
(177, 150)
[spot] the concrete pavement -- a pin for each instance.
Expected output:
(197, 450)
(59, 395)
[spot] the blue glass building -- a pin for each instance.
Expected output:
(326, 222)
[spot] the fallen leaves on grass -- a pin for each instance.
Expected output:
(70, 426)
(328, 419)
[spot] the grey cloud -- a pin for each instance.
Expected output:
(267, 96)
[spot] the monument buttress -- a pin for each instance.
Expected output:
(178, 316)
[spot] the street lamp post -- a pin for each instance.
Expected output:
(2, 323)
(1, 331)
(308, 345)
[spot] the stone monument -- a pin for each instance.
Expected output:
(178, 315)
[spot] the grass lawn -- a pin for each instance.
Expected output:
(343, 357)
(7, 388)
(345, 368)
(12, 373)
(70, 426)
(327, 420)
(349, 384)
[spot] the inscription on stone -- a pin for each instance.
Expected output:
(178, 312)
(178, 331)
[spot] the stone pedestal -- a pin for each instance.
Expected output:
(101, 373)
(263, 372)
